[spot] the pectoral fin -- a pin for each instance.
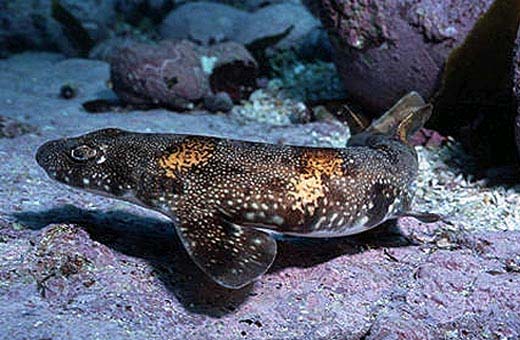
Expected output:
(231, 255)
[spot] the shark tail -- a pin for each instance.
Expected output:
(403, 119)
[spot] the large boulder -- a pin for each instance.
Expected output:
(202, 22)
(274, 20)
(282, 25)
(31, 24)
(456, 53)
(384, 49)
(178, 74)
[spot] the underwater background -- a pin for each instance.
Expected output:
(74, 265)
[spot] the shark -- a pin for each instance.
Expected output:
(229, 198)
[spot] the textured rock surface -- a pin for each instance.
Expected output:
(202, 22)
(29, 24)
(516, 87)
(388, 48)
(219, 102)
(253, 5)
(207, 22)
(475, 103)
(179, 74)
(277, 19)
(456, 53)
(107, 48)
(75, 265)
(428, 138)
(123, 274)
(11, 128)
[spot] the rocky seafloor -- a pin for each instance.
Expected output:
(78, 266)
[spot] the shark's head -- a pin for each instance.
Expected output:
(108, 161)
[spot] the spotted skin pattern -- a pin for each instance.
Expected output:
(226, 197)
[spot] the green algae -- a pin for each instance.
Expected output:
(308, 81)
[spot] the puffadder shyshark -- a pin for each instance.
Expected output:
(227, 197)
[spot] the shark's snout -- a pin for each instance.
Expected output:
(44, 153)
(49, 155)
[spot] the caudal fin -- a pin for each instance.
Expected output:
(401, 121)
(415, 119)
(387, 123)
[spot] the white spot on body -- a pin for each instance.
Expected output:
(393, 208)
(277, 219)
(318, 224)
(320, 230)
(360, 223)
(101, 160)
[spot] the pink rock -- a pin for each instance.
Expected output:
(455, 53)
(428, 138)
(179, 74)
(516, 87)
(388, 48)
(135, 271)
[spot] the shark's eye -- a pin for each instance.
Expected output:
(83, 153)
